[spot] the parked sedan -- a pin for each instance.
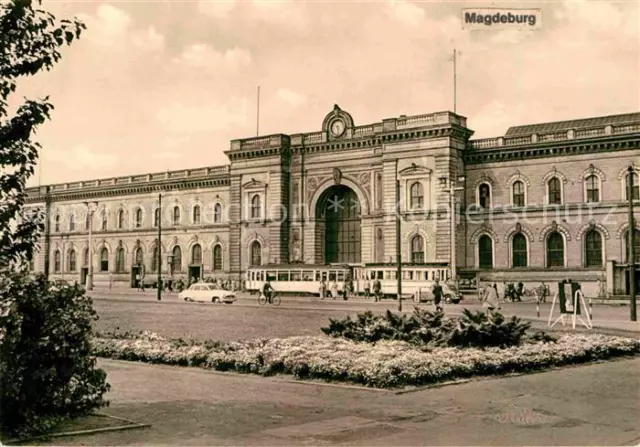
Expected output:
(204, 292)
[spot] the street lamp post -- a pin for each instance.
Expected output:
(159, 286)
(632, 246)
(90, 210)
(398, 247)
(452, 207)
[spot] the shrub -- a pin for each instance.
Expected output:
(47, 371)
(426, 328)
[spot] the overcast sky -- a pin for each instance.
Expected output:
(152, 86)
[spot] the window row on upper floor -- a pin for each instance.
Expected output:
(137, 219)
(592, 189)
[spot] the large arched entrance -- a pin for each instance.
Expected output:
(338, 217)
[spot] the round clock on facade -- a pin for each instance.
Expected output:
(337, 128)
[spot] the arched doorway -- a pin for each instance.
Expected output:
(339, 219)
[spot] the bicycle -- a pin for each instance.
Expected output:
(275, 299)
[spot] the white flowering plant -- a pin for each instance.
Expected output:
(385, 364)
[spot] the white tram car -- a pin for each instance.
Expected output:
(304, 279)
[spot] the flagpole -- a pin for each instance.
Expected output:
(455, 89)
(258, 115)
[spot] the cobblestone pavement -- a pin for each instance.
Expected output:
(596, 404)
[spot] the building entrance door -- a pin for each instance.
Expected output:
(84, 273)
(137, 275)
(194, 273)
(339, 210)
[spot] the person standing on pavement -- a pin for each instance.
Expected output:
(334, 289)
(323, 289)
(490, 298)
(367, 288)
(377, 289)
(437, 295)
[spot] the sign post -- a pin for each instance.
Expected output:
(571, 301)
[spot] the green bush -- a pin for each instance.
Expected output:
(47, 370)
(426, 328)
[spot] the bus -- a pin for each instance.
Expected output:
(417, 280)
(300, 279)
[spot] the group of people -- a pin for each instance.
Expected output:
(180, 284)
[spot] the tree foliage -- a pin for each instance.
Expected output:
(47, 373)
(30, 41)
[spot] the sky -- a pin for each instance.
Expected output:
(154, 86)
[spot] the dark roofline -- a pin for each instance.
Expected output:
(552, 126)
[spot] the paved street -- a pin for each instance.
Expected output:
(137, 311)
(188, 406)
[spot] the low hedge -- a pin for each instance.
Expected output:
(386, 364)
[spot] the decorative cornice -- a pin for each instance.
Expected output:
(616, 143)
(129, 190)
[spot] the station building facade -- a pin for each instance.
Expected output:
(543, 202)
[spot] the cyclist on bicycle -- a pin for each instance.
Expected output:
(267, 291)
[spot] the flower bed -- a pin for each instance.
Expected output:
(386, 364)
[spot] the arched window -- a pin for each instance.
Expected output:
(519, 250)
(593, 189)
(56, 261)
(417, 249)
(255, 207)
(485, 252)
(217, 213)
(139, 256)
(57, 223)
(555, 191)
(87, 221)
(120, 219)
(154, 259)
(104, 260)
(217, 257)
(72, 222)
(636, 243)
(555, 250)
(484, 195)
(120, 260)
(176, 215)
(636, 186)
(156, 217)
(196, 254)
(416, 196)
(593, 249)
(72, 260)
(518, 193)
(138, 217)
(196, 214)
(256, 253)
(105, 220)
(85, 258)
(176, 260)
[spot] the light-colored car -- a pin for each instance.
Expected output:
(204, 292)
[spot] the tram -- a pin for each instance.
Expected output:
(417, 279)
(297, 279)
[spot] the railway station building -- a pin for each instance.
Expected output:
(542, 202)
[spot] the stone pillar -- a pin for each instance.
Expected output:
(235, 230)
